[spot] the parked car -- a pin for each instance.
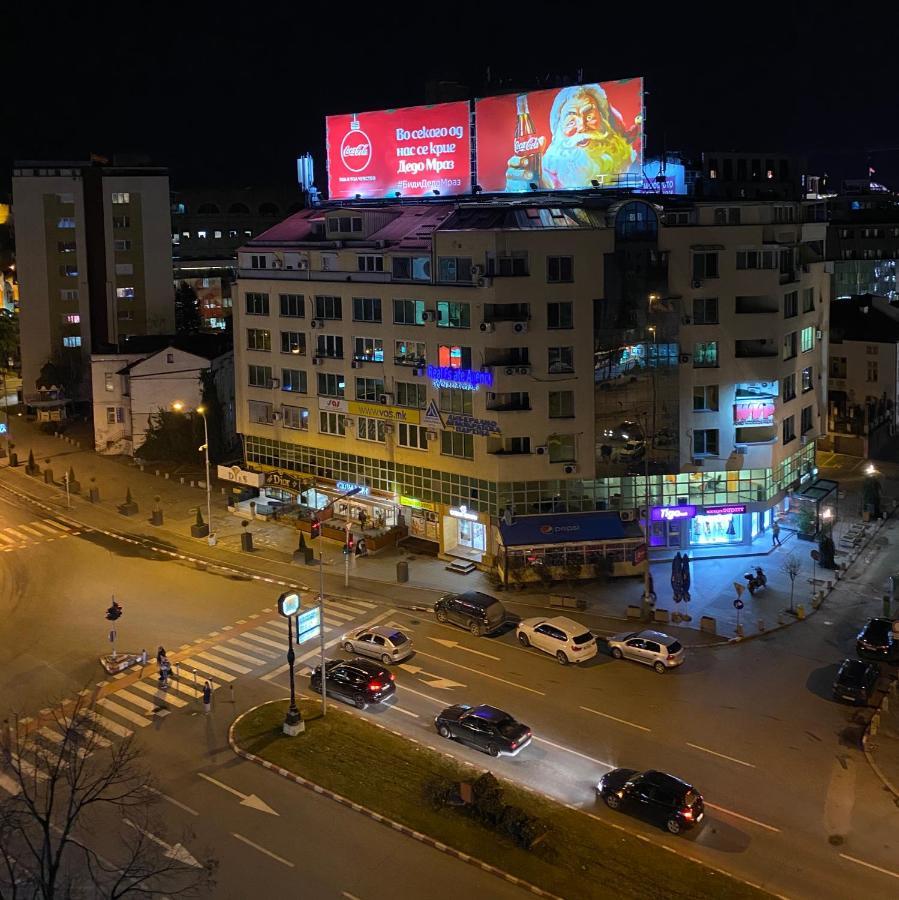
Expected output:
(876, 641)
(652, 648)
(856, 681)
(567, 640)
(390, 645)
(485, 728)
(663, 797)
(358, 681)
(632, 450)
(479, 613)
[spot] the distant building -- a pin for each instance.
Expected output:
(131, 387)
(93, 262)
(863, 383)
(750, 176)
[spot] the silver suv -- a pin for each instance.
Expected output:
(652, 648)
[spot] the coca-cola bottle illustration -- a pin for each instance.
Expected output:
(528, 145)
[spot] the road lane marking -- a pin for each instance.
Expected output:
(245, 657)
(46, 528)
(57, 524)
(482, 674)
(254, 647)
(575, 752)
(139, 701)
(161, 696)
(437, 700)
(348, 896)
(456, 645)
(31, 531)
(108, 724)
(252, 636)
(124, 712)
(15, 534)
(250, 800)
(8, 540)
(406, 712)
(868, 865)
(203, 667)
(280, 859)
(596, 712)
(722, 755)
(224, 662)
(736, 815)
(172, 800)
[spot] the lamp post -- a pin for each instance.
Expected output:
(289, 606)
(178, 406)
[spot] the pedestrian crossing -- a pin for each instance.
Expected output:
(258, 649)
(50, 528)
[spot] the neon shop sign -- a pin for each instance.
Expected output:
(671, 513)
(459, 379)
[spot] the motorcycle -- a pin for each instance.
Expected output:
(757, 580)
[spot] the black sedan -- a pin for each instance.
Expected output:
(659, 796)
(856, 681)
(876, 641)
(358, 681)
(485, 728)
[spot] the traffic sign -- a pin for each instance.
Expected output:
(738, 603)
(289, 603)
(739, 588)
(308, 624)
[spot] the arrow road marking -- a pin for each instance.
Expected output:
(457, 646)
(173, 851)
(437, 681)
(250, 800)
(482, 674)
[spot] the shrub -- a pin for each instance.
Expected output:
(437, 792)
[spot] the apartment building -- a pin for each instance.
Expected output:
(592, 360)
(93, 253)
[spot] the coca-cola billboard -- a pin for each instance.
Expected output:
(560, 139)
(414, 151)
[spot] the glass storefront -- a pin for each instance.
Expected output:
(721, 528)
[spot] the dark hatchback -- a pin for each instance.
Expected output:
(661, 797)
(358, 681)
(485, 728)
(876, 641)
(856, 681)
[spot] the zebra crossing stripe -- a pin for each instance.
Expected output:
(254, 647)
(28, 769)
(137, 700)
(245, 657)
(14, 533)
(278, 645)
(10, 786)
(270, 629)
(46, 528)
(54, 737)
(108, 724)
(58, 525)
(225, 663)
(202, 666)
(161, 696)
(30, 531)
(356, 611)
(123, 712)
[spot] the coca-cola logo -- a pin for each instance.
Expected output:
(355, 150)
(527, 145)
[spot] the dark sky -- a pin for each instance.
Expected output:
(231, 93)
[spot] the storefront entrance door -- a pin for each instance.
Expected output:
(472, 535)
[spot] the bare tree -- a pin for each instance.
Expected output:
(62, 785)
(791, 567)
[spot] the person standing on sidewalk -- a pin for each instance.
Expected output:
(207, 697)
(775, 534)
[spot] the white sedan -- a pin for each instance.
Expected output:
(567, 640)
(390, 645)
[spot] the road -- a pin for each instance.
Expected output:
(791, 801)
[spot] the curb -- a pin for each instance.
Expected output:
(869, 755)
(377, 817)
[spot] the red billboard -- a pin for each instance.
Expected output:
(560, 139)
(414, 151)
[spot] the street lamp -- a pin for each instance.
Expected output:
(289, 606)
(178, 406)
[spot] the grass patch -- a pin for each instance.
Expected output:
(581, 857)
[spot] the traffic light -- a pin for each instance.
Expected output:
(114, 611)
(316, 529)
(350, 542)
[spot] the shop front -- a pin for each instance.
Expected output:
(464, 533)
(687, 526)
(366, 508)
(421, 518)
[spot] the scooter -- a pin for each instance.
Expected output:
(756, 581)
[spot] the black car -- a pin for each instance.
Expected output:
(358, 681)
(876, 641)
(485, 728)
(662, 797)
(478, 612)
(856, 681)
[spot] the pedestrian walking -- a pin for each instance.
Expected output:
(207, 697)
(143, 657)
(160, 655)
(165, 668)
(775, 535)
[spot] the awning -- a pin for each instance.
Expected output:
(526, 531)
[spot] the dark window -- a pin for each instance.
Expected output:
(705, 311)
(560, 314)
(257, 304)
(559, 269)
(292, 306)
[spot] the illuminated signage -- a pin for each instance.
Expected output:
(559, 529)
(731, 510)
(560, 139)
(347, 486)
(416, 504)
(3, 428)
(658, 180)
(461, 512)
(240, 476)
(413, 151)
(282, 480)
(754, 412)
(460, 379)
(470, 425)
(371, 410)
(671, 513)
(289, 603)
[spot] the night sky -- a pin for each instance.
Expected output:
(231, 94)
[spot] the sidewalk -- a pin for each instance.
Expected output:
(712, 579)
(882, 746)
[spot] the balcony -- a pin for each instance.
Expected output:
(508, 406)
(755, 305)
(413, 362)
(761, 348)
(506, 312)
(500, 357)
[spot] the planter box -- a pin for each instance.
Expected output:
(199, 531)
(128, 509)
(156, 517)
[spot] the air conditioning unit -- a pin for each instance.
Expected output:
(476, 271)
(520, 327)
(316, 323)
(486, 326)
(627, 515)
(805, 439)
(317, 360)
(570, 469)
(819, 334)
(386, 399)
(740, 449)
(483, 282)
(302, 264)
(356, 364)
(523, 370)
(686, 320)
(273, 384)
(510, 370)
(349, 422)
(431, 435)
(695, 283)
(429, 315)
(276, 416)
(684, 357)
(542, 450)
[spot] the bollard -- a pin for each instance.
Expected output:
(402, 572)
(886, 606)
(829, 584)
(761, 625)
(875, 724)
(739, 631)
(182, 479)
(885, 705)
(167, 476)
(800, 612)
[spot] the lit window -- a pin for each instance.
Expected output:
(109, 378)
(73, 319)
(122, 245)
(66, 222)
(216, 234)
(121, 197)
(201, 235)
(125, 293)
(72, 340)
